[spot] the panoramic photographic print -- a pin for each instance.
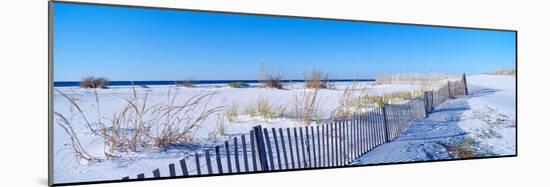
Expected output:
(144, 93)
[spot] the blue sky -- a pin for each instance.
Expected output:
(150, 44)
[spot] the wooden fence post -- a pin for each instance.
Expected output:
(172, 169)
(208, 162)
(303, 147)
(245, 153)
(253, 148)
(387, 138)
(260, 148)
(449, 89)
(236, 152)
(218, 159)
(156, 173)
(465, 83)
(297, 148)
(183, 166)
(198, 164)
(228, 157)
(289, 137)
(277, 152)
(284, 147)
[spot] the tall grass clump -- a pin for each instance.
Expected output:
(269, 80)
(140, 125)
(317, 79)
(231, 111)
(273, 81)
(349, 102)
(263, 108)
(94, 82)
(389, 98)
(305, 106)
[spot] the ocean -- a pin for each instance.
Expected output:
(174, 82)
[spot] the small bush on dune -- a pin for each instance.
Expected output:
(269, 80)
(273, 81)
(238, 84)
(186, 83)
(94, 82)
(317, 79)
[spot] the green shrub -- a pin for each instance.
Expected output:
(238, 84)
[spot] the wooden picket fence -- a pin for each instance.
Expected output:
(337, 143)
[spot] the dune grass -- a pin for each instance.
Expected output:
(94, 82)
(139, 125)
(305, 107)
(317, 79)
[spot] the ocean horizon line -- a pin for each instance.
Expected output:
(173, 82)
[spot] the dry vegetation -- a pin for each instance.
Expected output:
(231, 111)
(411, 78)
(306, 105)
(466, 147)
(269, 80)
(139, 125)
(185, 83)
(506, 71)
(263, 108)
(317, 79)
(94, 82)
(349, 103)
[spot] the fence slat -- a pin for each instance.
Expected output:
(303, 147)
(308, 147)
(297, 148)
(269, 151)
(345, 156)
(277, 152)
(325, 145)
(156, 173)
(208, 163)
(313, 146)
(183, 166)
(253, 151)
(245, 153)
(318, 147)
(340, 145)
(172, 169)
(236, 153)
(290, 148)
(198, 164)
(370, 134)
(228, 157)
(281, 134)
(141, 176)
(332, 150)
(218, 159)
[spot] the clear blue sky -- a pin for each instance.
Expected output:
(146, 44)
